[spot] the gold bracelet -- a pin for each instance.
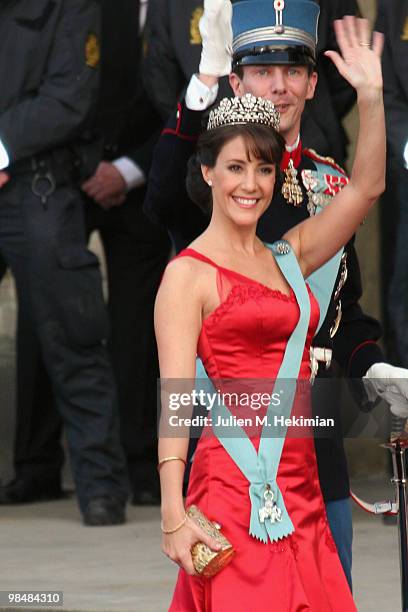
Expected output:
(179, 526)
(166, 459)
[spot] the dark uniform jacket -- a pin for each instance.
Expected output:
(393, 21)
(354, 344)
(125, 117)
(49, 73)
(174, 51)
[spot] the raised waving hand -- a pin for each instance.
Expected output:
(360, 59)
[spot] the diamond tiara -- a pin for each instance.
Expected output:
(243, 110)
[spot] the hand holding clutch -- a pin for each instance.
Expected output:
(196, 544)
(206, 561)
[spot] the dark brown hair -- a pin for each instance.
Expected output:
(262, 142)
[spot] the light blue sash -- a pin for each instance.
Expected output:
(321, 282)
(269, 517)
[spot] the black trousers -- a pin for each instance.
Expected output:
(136, 253)
(62, 317)
(38, 453)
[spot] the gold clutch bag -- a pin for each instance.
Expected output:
(208, 562)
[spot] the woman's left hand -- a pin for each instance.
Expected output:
(360, 59)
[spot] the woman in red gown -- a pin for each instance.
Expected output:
(226, 299)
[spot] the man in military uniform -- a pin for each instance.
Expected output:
(51, 88)
(280, 67)
(173, 56)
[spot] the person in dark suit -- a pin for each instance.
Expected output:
(52, 77)
(126, 127)
(393, 21)
(173, 56)
(136, 249)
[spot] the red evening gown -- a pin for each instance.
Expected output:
(245, 337)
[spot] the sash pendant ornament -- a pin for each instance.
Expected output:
(270, 509)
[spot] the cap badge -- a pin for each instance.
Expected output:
(279, 5)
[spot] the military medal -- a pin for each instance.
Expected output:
(321, 188)
(311, 183)
(291, 190)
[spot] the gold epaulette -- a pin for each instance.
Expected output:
(325, 160)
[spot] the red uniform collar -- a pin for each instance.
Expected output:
(295, 156)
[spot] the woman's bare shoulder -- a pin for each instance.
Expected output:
(182, 270)
(186, 274)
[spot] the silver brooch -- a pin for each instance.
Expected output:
(281, 248)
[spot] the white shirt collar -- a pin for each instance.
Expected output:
(293, 147)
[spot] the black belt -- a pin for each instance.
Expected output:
(48, 171)
(61, 165)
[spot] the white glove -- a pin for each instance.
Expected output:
(390, 383)
(216, 34)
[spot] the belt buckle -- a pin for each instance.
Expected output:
(43, 183)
